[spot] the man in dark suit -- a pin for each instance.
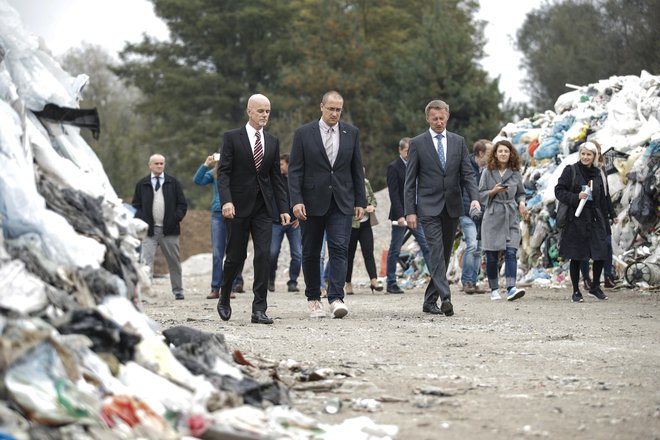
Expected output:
(326, 186)
(438, 168)
(396, 176)
(160, 203)
(248, 179)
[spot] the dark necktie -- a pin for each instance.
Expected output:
(157, 187)
(441, 151)
(258, 151)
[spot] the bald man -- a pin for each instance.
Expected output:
(248, 178)
(160, 203)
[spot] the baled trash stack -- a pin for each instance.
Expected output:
(78, 359)
(622, 113)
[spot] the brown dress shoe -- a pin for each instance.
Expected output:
(213, 295)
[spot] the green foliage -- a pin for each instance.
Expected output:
(387, 58)
(583, 41)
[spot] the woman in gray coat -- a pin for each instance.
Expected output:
(584, 237)
(501, 192)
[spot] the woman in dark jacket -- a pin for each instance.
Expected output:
(584, 237)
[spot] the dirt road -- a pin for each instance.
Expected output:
(540, 367)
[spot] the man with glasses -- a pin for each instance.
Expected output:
(326, 187)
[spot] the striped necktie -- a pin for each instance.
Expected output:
(258, 151)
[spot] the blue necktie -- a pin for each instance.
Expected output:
(157, 184)
(441, 151)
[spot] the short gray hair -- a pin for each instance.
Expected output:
(436, 104)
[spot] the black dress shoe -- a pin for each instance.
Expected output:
(394, 289)
(447, 308)
(271, 286)
(432, 309)
(260, 317)
(224, 310)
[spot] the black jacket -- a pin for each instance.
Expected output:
(175, 204)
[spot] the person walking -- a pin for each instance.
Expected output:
(326, 185)
(248, 178)
(396, 177)
(584, 237)
(292, 232)
(207, 175)
(361, 232)
(438, 168)
(159, 202)
(471, 227)
(503, 196)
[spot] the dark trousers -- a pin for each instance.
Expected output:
(259, 225)
(439, 231)
(365, 236)
(337, 227)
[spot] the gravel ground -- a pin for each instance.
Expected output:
(540, 367)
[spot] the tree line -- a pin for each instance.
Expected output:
(388, 58)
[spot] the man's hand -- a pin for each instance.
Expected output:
(285, 219)
(475, 205)
(370, 209)
(228, 210)
(295, 224)
(359, 212)
(401, 221)
(411, 219)
(299, 211)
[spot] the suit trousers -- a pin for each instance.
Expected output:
(239, 229)
(169, 245)
(337, 227)
(439, 231)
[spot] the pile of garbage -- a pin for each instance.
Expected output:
(622, 113)
(78, 359)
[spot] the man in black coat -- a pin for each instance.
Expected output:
(326, 186)
(396, 177)
(160, 203)
(248, 178)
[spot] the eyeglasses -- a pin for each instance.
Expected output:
(333, 109)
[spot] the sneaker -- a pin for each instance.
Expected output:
(271, 286)
(596, 292)
(609, 282)
(315, 309)
(513, 293)
(577, 297)
(495, 295)
(587, 283)
(324, 293)
(338, 309)
(179, 296)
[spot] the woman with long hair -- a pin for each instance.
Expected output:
(501, 192)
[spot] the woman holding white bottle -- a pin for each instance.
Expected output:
(585, 235)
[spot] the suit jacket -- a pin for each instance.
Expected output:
(429, 188)
(396, 177)
(238, 179)
(313, 181)
(175, 204)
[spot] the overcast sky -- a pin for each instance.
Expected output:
(64, 24)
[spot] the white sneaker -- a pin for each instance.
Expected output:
(338, 309)
(495, 295)
(315, 309)
(513, 294)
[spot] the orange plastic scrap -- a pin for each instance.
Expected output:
(128, 410)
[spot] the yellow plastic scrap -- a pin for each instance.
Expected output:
(583, 132)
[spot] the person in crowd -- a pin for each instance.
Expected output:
(207, 175)
(361, 232)
(326, 185)
(608, 266)
(471, 228)
(249, 178)
(160, 203)
(503, 197)
(292, 232)
(438, 168)
(584, 237)
(396, 177)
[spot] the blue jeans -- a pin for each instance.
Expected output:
(295, 245)
(510, 267)
(472, 253)
(398, 233)
(219, 242)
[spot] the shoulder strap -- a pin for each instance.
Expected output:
(572, 176)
